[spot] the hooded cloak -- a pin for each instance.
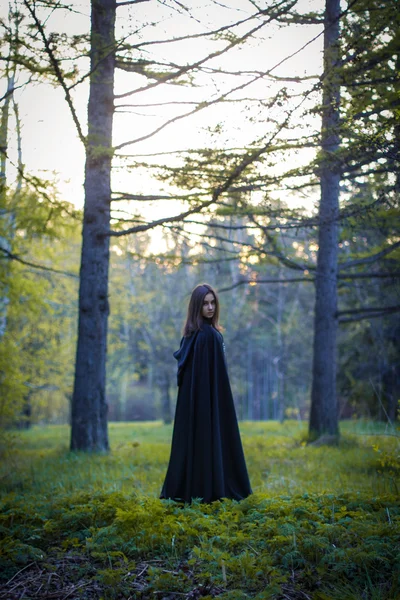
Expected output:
(207, 459)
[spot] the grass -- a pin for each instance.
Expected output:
(278, 460)
(323, 522)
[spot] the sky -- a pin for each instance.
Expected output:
(51, 148)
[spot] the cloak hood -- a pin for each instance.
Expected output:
(183, 353)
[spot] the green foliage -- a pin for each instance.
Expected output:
(334, 536)
(40, 306)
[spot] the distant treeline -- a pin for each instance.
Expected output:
(267, 329)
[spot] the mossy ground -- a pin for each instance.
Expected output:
(323, 523)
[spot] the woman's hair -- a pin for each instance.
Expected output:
(194, 320)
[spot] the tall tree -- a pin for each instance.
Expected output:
(324, 413)
(6, 213)
(89, 407)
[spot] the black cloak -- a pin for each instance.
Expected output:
(207, 458)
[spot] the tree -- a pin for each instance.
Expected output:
(6, 212)
(36, 350)
(89, 407)
(324, 413)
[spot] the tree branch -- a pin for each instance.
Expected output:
(369, 259)
(12, 256)
(189, 113)
(366, 313)
(393, 275)
(193, 36)
(153, 197)
(237, 171)
(309, 280)
(130, 2)
(272, 280)
(57, 70)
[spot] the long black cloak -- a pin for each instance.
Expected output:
(207, 458)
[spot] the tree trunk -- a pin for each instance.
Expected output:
(89, 407)
(391, 392)
(324, 413)
(6, 217)
(26, 417)
(165, 399)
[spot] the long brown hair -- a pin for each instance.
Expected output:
(194, 320)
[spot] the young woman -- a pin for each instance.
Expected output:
(207, 460)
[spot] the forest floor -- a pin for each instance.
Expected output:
(323, 523)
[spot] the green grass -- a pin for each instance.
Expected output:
(278, 460)
(323, 522)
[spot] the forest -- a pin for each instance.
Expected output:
(249, 220)
(147, 146)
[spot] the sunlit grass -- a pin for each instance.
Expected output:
(279, 461)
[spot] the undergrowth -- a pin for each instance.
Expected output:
(323, 523)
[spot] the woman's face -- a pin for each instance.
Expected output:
(208, 306)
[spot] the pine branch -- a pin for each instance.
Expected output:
(237, 171)
(369, 259)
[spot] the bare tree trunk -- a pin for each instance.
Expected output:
(89, 407)
(324, 413)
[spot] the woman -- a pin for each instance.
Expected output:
(207, 460)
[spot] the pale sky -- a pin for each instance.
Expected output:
(50, 144)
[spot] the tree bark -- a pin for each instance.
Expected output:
(89, 407)
(324, 411)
